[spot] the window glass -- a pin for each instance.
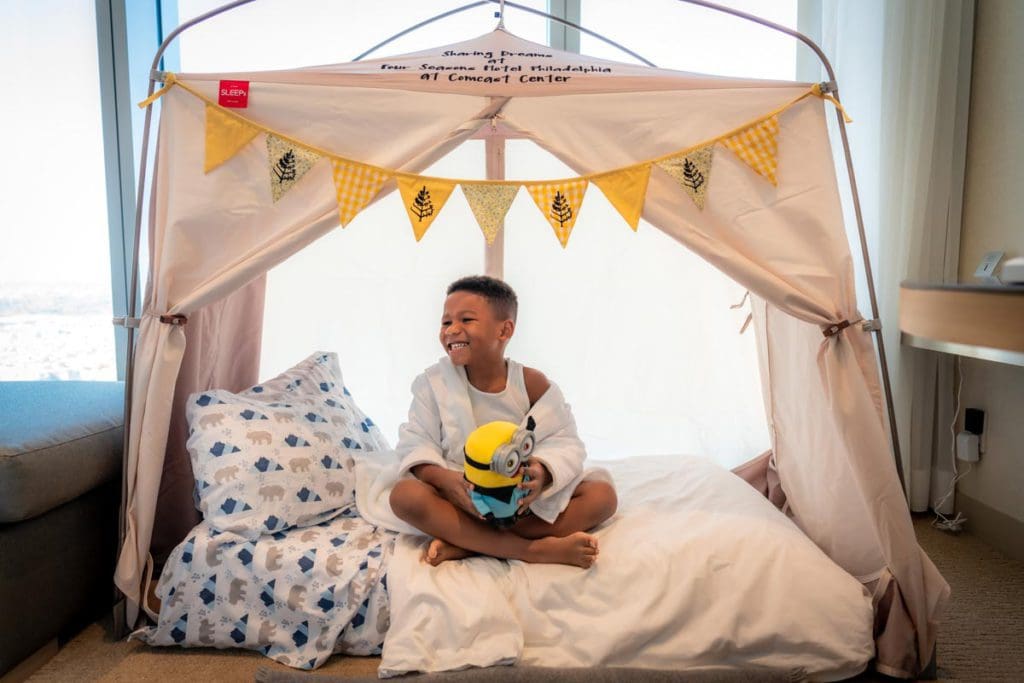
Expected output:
(55, 302)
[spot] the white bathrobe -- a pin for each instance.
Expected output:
(440, 419)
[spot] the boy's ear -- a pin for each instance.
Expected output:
(508, 328)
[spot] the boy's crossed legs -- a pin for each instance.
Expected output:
(458, 534)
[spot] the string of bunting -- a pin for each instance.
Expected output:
(357, 183)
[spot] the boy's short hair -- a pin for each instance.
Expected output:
(499, 295)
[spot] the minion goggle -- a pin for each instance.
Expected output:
(509, 457)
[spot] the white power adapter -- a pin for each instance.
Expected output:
(967, 447)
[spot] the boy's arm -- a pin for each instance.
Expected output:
(419, 438)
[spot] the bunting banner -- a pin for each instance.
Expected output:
(692, 171)
(489, 203)
(355, 186)
(423, 199)
(560, 204)
(626, 191)
(758, 147)
(225, 136)
(288, 163)
(356, 183)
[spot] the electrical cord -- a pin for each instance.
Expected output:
(941, 521)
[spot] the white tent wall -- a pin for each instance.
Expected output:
(214, 233)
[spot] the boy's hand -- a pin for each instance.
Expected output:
(538, 479)
(452, 486)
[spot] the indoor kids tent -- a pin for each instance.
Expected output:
(250, 168)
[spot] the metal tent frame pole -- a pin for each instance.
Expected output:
(155, 76)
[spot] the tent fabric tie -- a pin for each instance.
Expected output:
(821, 92)
(169, 80)
(176, 319)
(835, 328)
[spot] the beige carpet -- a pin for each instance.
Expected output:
(981, 636)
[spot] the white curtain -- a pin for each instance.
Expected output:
(903, 70)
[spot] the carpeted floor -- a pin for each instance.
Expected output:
(981, 635)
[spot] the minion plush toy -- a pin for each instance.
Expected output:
(494, 453)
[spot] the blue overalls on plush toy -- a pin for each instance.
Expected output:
(494, 454)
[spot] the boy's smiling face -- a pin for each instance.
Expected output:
(470, 331)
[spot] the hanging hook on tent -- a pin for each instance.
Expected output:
(500, 14)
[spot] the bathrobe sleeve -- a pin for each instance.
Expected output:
(419, 439)
(560, 449)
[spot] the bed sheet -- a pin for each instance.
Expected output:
(696, 570)
(296, 596)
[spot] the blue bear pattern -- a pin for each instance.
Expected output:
(301, 635)
(267, 594)
(238, 633)
(326, 602)
(231, 506)
(180, 628)
(307, 496)
(220, 448)
(209, 591)
(186, 554)
(264, 464)
(307, 560)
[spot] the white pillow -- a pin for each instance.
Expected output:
(278, 455)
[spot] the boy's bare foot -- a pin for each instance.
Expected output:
(579, 549)
(441, 551)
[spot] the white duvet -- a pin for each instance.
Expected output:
(696, 570)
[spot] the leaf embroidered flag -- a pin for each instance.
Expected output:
(692, 171)
(626, 190)
(560, 204)
(225, 135)
(758, 147)
(288, 163)
(489, 203)
(423, 198)
(355, 186)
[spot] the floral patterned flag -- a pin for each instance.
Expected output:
(489, 202)
(692, 171)
(288, 163)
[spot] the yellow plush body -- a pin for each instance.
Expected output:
(495, 494)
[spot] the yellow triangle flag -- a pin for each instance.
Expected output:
(758, 147)
(423, 199)
(560, 204)
(288, 163)
(692, 171)
(626, 191)
(225, 135)
(355, 186)
(489, 202)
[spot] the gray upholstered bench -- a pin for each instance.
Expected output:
(60, 463)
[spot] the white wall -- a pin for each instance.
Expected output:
(993, 218)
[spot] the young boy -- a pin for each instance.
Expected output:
(476, 384)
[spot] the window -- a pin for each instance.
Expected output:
(55, 295)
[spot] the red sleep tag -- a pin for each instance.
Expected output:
(233, 94)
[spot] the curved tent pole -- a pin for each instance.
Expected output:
(119, 621)
(874, 325)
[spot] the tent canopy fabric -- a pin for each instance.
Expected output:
(213, 234)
